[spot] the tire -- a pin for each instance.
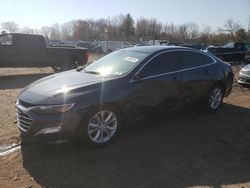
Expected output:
(100, 127)
(215, 98)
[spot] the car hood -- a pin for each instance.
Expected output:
(57, 85)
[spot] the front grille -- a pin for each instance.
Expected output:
(24, 121)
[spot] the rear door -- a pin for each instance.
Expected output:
(157, 84)
(197, 75)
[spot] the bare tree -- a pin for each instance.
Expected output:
(128, 27)
(45, 31)
(192, 30)
(205, 35)
(81, 31)
(123, 27)
(182, 32)
(10, 26)
(241, 35)
(142, 28)
(155, 28)
(67, 30)
(101, 29)
(55, 32)
(27, 30)
(231, 27)
(169, 32)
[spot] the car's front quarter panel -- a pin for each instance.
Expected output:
(112, 92)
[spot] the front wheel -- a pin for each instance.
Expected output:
(215, 98)
(101, 127)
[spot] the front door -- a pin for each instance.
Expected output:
(157, 85)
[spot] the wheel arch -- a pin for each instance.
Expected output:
(221, 83)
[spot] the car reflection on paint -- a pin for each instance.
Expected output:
(92, 102)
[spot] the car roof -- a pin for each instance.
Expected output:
(152, 49)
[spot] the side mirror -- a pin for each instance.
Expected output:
(138, 76)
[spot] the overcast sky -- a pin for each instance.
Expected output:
(37, 13)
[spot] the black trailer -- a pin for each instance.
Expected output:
(231, 52)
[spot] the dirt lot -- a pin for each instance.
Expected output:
(186, 149)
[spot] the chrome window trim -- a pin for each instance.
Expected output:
(173, 72)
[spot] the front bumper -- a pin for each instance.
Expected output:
(46, 128)
(244, 79)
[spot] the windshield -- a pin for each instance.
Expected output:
(117, 63)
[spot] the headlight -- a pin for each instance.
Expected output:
(52, 109)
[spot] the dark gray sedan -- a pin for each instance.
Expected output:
(91, 103)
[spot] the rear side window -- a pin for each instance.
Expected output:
(191, 59)
(163, 63)
(207, 60)
(6, 40)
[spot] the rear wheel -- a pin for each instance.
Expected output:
(100, 127)
(215, 98)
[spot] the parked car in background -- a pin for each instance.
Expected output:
(142, 44)
(26, 50)
(244, 75)
(89, 45)
(110, 46)
(92, 102)
(194, 45)
(231, 52)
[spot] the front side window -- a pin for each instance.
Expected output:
(117, 63)
(6, 40)
(163, 63)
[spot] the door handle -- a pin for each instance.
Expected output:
(174, 79)
(207, 72)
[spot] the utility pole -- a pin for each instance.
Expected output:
(249, 25)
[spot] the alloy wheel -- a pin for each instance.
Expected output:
(215, 98)
(102, 126)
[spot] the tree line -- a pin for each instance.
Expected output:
(125, 28)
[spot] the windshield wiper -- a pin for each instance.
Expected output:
(79, 68)
(93, 72)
